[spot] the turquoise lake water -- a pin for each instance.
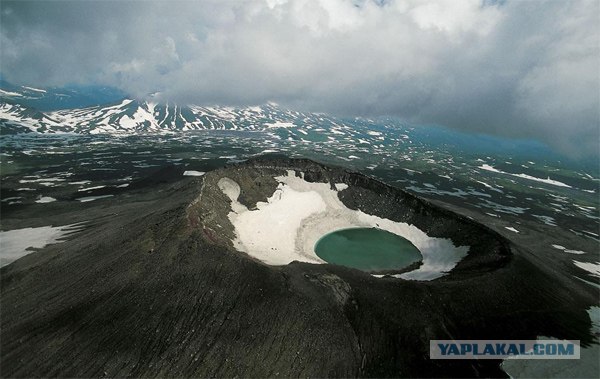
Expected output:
(367, 249)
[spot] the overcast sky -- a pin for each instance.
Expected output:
(511, 68)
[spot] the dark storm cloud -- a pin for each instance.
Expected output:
(520, 69)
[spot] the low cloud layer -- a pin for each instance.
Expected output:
(527, 69)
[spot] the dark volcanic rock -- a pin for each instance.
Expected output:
(152, 288)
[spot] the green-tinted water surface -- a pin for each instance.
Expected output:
(367, 249)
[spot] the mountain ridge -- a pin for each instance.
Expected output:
(133, 116)
(130, 116)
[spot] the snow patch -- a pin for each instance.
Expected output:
(280, 124)
(592, 268)
(287, 226)
(90, 188)
(193, 173)
(559, 247)
(45, 199)
(35, 89)
(525, 176)
(92, 198)
(17, 243)
(8, 93)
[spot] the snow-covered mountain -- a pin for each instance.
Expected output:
(133, 116)
(17, 118)
(27, 109)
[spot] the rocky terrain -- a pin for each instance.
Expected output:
(153, 286)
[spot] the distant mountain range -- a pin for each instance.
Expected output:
(34, 110)
(18, 115)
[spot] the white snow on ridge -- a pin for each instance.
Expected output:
(280, 124)
(39, 180)
(90, 188)
(96, 117)
(559, 247)
(547, 181)
(139, 117)
(578, 252)
(511, 229)
(45, 199)
(487, 167)
(124, 119)
(592, 268)
(8, 93)
(15, 115)
(35, 89)
(92, 198)
(487, 186)
(225, 113)
(193, 173)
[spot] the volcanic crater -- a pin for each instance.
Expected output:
(173, 277)
(276, 211)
